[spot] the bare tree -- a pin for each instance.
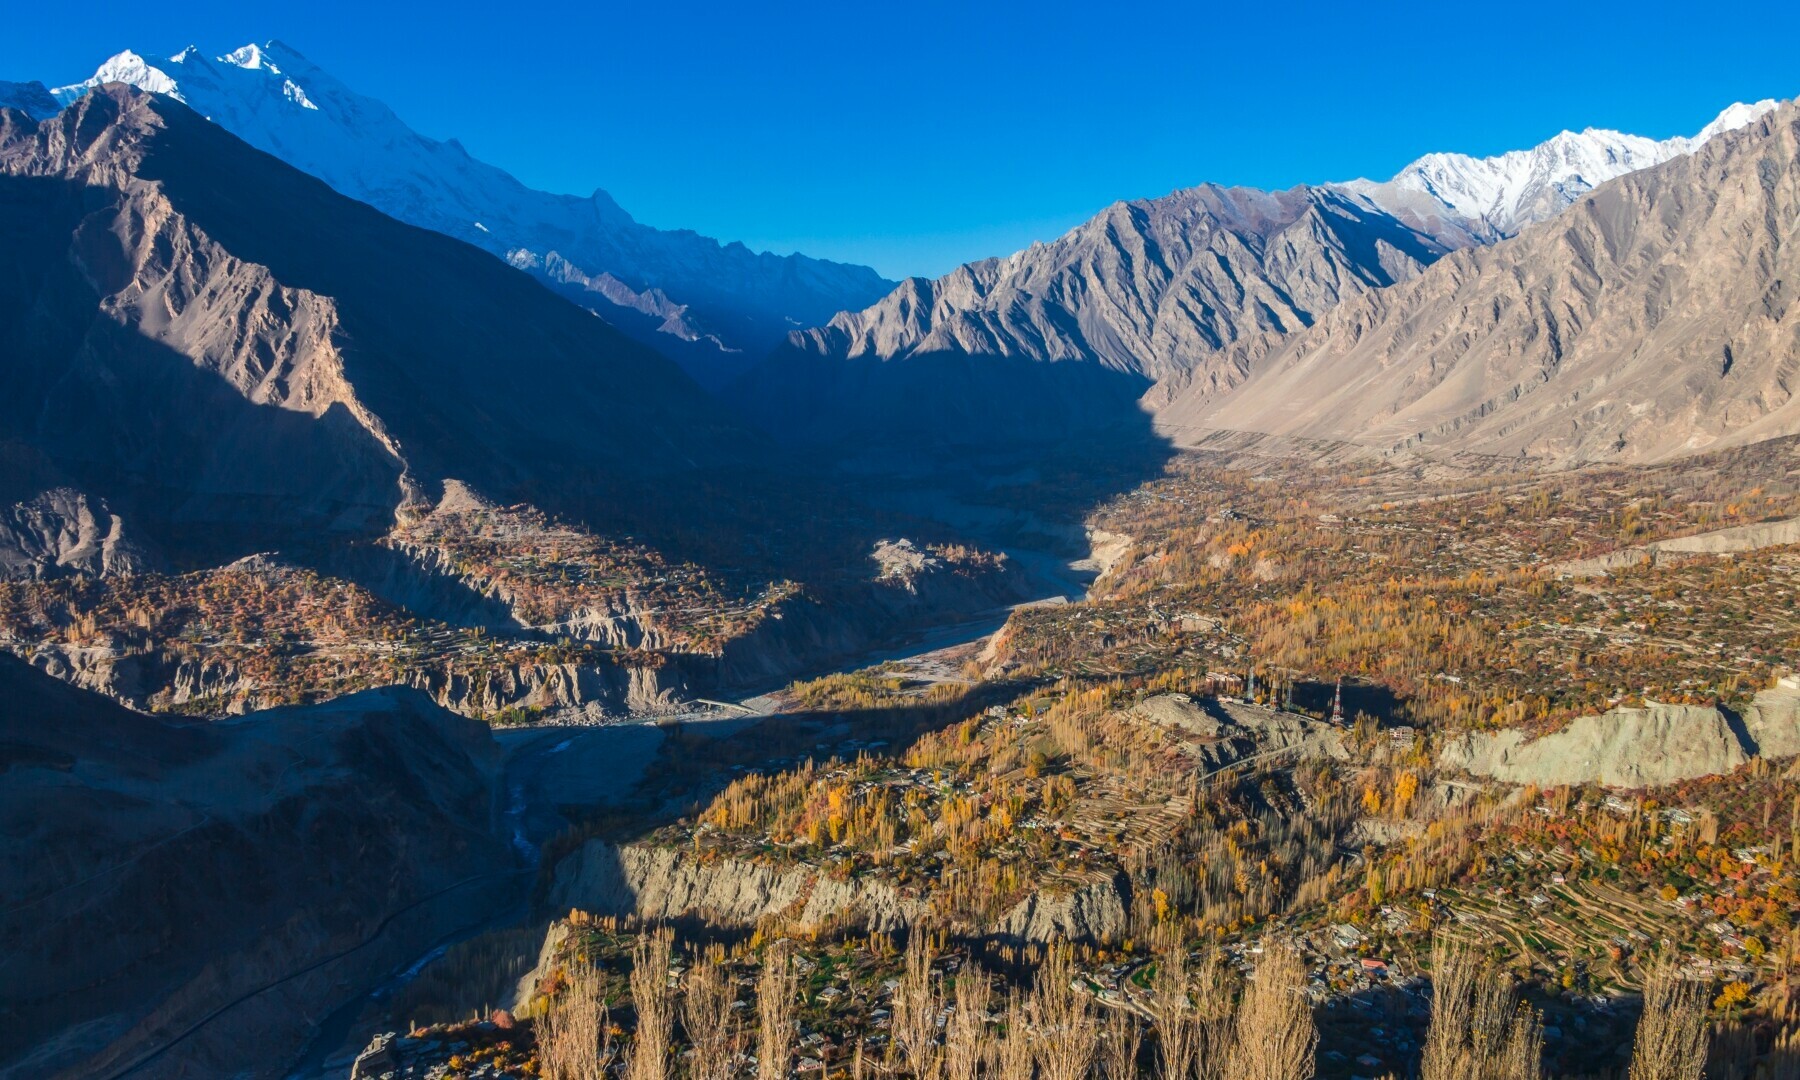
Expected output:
(1477, 1031)
(1671, 1035)
(1275, 1034)
(917, 1003)
(1063, 1016)
(1214, 1014)
(1123, 1038)
(777, 997)
(574, 1035)
(1490, 1024)
(654, 1003)
(966, 1042)
(1454, 970)
(1191, 1011)
(711, 1025)
(1523, 1056)
(1176, 1028)
(1013, 1057)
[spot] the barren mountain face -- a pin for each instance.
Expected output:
(1654, 318)
(1143, 291)
(1183, 291)
(1146, 286)
(216, 342)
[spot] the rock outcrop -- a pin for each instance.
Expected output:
(1623, 748)
(62, 532)
(1093, 912)
(1772, 719)
(161, 681)
(662, 883)
(1730, 541)
(1225, 733)
(1637, 748)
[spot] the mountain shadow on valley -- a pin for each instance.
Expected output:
(1053, 439)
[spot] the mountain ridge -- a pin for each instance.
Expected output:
(1490, 198)
(166, 270)
(1132, 293)
(274, 98)
(1651, 320)
(1156, 292)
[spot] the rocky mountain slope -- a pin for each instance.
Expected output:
(1655, 317)
(1155, 290)
(1067, 333)
(716, 306)
(230, 353)
(171, 893)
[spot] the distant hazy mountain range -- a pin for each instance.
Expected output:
(713, 307)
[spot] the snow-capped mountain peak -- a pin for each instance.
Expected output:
(278, 101)
(1492, 197)
(126, 67)
(1735, 116)
(248, 57)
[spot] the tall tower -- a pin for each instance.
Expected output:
(1337, 703)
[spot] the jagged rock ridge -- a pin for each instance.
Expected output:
(1132, 296)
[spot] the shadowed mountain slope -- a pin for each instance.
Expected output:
(171, 893)
(220, 344)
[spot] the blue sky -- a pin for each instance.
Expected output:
(913, 136)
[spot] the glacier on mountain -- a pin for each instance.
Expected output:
(275, 99)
